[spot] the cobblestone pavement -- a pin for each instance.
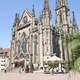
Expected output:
(39, 76)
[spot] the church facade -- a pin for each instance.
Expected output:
(36, 39)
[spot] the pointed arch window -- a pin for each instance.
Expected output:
(25, 19)
(24, 42)
(60, 17)
(35, 48)
(18, 47)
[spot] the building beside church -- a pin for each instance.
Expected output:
(36, 39)
(4, 59)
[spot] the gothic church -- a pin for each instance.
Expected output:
(36, 39)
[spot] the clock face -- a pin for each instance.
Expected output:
(25, 19)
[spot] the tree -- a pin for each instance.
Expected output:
(74, 46)
(53, 64)
(77, 64)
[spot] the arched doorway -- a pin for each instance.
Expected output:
(22, 63)
(17, 64)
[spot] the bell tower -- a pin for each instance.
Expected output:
(62, 14)
(62, 24)
(46, 32)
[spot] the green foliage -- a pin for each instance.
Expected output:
(50, 64)
(76, 52)
(77, 64)
(74, 45)
(53, 65)
(73, 37)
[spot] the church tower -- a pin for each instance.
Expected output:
(63, 26)
(46, 32)
(62, 15)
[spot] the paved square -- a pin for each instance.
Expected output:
(38, 76)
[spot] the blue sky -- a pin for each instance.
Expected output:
(8, 8)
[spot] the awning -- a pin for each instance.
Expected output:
(53, 59)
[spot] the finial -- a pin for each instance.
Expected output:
(74, 22)
(33, 11)
(16, 19)
(73, 18)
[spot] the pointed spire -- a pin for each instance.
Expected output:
(46, 4)
(46, 14)
(73, 19)
(33, 11)
(16, 19)
(33, 16)
(74, 22)
(56, 4)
